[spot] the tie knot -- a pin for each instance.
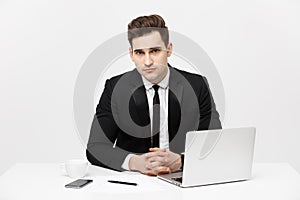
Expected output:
(155, 87)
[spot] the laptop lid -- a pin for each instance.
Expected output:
(217, 156)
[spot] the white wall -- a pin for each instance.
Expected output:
(255, 46)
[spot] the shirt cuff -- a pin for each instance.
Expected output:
(125, 164)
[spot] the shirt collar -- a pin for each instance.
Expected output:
(163, 83)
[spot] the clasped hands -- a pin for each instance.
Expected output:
(156, 161)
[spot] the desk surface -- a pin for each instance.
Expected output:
(46, 181)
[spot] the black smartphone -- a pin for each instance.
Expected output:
(79, 183)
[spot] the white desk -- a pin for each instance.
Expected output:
(45, 181)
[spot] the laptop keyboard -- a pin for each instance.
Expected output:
(178, 179)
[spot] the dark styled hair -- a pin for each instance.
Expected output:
(146, 24)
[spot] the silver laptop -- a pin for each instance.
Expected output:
(215, 156)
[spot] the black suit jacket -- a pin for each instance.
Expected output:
(121, 124)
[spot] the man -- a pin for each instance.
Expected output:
(143, 115)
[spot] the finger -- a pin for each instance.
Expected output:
(162, 170)
(157, 149)
(156, 171)
(153, 165)
(167, 171)
(173, 159)
(153, 149)
(158, 159)
(149, 173)
(156, 153)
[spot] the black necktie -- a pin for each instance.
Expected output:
(156, 118)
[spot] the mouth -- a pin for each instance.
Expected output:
(149, 70)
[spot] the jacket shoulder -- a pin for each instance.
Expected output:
(113, 80)
(193, 78)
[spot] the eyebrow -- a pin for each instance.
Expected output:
(136, 50)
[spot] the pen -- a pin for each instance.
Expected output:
(121, 182)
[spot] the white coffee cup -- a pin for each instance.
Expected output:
(76, 168)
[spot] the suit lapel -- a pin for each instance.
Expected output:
(139, 104)
(175, 98)
(142, 107)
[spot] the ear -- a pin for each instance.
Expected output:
(131, 53)
(170, 49)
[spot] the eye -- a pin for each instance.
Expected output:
(154, 51)
(138, 52)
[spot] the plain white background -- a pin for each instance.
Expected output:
(255, 46)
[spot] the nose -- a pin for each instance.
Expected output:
(148, 60)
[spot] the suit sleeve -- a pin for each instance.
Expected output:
(209, 116)
(101, 150)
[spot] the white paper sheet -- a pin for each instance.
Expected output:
(144, 184)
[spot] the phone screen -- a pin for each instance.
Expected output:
(79, 183)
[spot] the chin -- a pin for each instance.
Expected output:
(152, 80)
(150, 77)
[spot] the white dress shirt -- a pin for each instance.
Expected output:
(163, 93)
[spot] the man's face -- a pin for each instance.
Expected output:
(150, 56)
